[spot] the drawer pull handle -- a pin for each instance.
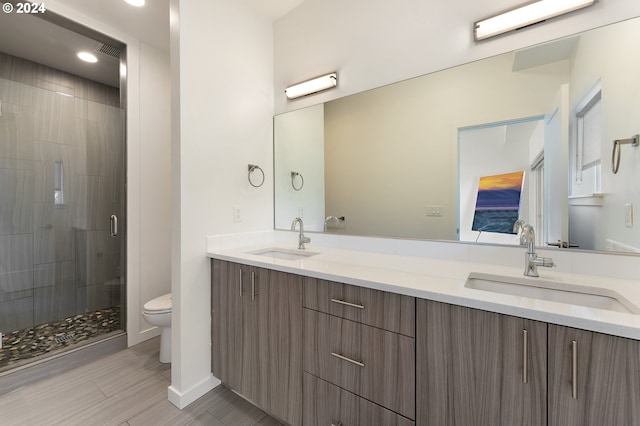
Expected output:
(253, 285)
(574, 369)
(344, 358)
(336, 424)
(342, 302)
(525, 360)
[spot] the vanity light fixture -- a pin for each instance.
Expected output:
(529, 14)
(87, 57)
(314, 85)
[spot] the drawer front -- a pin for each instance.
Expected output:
(373, 363)
(389, 311)
(326, 404)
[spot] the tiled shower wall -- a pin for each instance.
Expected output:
(55, 258)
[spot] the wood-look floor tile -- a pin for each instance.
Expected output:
(127, 388)
(205, 419)
(120, 407)
(235, 411)
(127, 375)
(160, 413)
(53, 408)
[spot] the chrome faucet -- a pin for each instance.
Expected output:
(531, 259)
(301, 238)
(329, 218)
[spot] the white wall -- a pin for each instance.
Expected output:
(222, 108)
(147, 154)
(373, 43)
(155, 183)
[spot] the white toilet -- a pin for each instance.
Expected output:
(158, 312)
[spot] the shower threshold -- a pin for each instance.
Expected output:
(34, 343)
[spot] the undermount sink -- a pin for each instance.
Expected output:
(534, 288)
(281, 253)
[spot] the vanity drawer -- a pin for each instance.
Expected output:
(373, 363)
(389, 311)
(326, 404)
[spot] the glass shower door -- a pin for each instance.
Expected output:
(62, 163)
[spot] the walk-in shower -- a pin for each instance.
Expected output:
(62, 180)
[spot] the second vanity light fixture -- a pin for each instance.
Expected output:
(314, 85)
(529, 14)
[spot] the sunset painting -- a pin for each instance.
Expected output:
(498, 203)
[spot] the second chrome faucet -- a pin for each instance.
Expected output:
(531, 259)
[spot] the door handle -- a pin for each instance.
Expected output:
(114, 225)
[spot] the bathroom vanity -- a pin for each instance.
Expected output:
(354, 338)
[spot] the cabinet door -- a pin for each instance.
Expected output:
(607, 378)
(226, 323)
(255, 335)
(283, 343)
(471, 367)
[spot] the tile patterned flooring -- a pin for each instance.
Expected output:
(43, 339)
(128, 388)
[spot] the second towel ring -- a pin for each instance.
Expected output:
(615, 155)
(293, 183)
(252, 168)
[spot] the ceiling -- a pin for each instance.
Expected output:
(37, 40)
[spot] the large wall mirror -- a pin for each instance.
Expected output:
(408, 160)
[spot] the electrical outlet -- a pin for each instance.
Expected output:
(237, 214)
(434, 211)
(628, 215)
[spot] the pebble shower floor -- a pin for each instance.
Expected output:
(44, 338)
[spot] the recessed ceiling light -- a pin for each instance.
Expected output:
(87, 57)
(136, 3)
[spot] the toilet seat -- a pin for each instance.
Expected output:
(159, 305)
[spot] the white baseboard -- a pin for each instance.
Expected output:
(182, 399)
(143, 335)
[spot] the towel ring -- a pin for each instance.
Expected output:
(252, 168)
(615, 154)
(293, 183)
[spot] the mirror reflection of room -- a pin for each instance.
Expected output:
(402, 152)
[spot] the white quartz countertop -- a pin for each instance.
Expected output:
(444, 281)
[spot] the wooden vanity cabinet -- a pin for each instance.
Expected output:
(472, 370)
(256, 336)
(373, 357)
(606, 386)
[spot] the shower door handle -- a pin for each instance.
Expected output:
(114, 225)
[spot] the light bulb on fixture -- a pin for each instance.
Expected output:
(314, 85)
(136, 3)
(529, 14)
(87, 57)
